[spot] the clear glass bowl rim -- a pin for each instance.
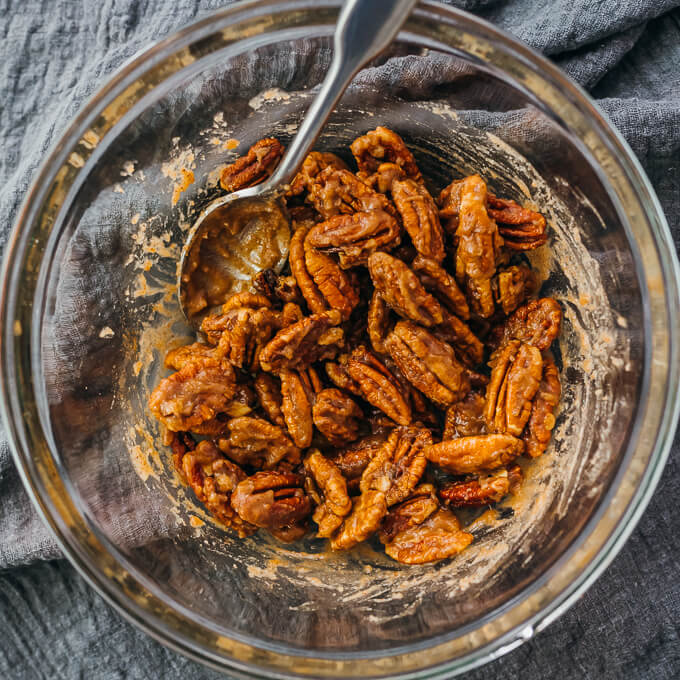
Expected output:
(540, 604)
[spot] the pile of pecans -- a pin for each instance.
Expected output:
(352, 388)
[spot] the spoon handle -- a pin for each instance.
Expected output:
(364, 29)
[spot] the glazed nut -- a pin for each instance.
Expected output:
(536, 323)
(254, 441)
(378, 386)
(428, 363)
(336, 416)
(333, 501)
(296, 407)
(420, 218)
(271, 500)
(521, 228)
(401, 289)
(315, 162)
(467, 455)
(254, 167)
(483, 489)
(542, 419)
(442, 285)
(383, 145)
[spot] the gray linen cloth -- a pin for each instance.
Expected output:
(54, 54)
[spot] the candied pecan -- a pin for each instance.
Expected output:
(314, 163)
(241, 333)
(290, 533)
(246, 299)
(212, 478)
(296, 407)
(428, 363)
(378, 322)
(449, 201)
(311, 339)
(467, 346)
(483, 489)
(353, 459)
(380, 145)
(542, 420)
(515, 376)
(521, 229)
(195, 395)
(402, 291)
(329, 492)
(276, 287)
(290, 314)
(336, 416)
(381, 180)
(437, 538)
(340, 192)
(268, 391)
(331, 282)
(254, 441)
(354, 237)
(512, 286)
(419, 215)
(338, 373)
(367, 513)
(536, 323)
(478, 246)
(466, 418)
(413, 511)
(442, 285)
(378, 386)
(271, 500)
(398, 466)
(254, 167)
(179, 357)
(296, 259)
(474, 454)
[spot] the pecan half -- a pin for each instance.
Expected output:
(521, 228)
(473, 454)
(419, 215)
(512, 286)
(378, 386)
(413, 511)
(367, 513)
(246, 299)
(298, 266)
(329, 492)
(179, 357)
(338, 373)
(271, 500)
(340, 192)
(315, 162)
(536, 323)
(353, 459)
(241, 333)
(296, 407)
(398, 466)
(428, 363)
(515, 376)
(336, 416)
(437, 538)
(478, 246)
(380, 145)
(442, 285)
(254, 167)
(276, 287)
(254, 441)
(311, 339)
(268, 390)
(212, 478)
(378, 322)
(354, 237)
(468, 347)
(466, 418)
(401, 289)
(542, 420)
(483, 489)
(194, 396)
(331, 281)
(383, 178)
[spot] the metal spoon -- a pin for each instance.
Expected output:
(365, 28)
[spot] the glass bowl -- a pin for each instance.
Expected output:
(89, 306)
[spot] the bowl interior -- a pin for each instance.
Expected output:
(108, 313)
